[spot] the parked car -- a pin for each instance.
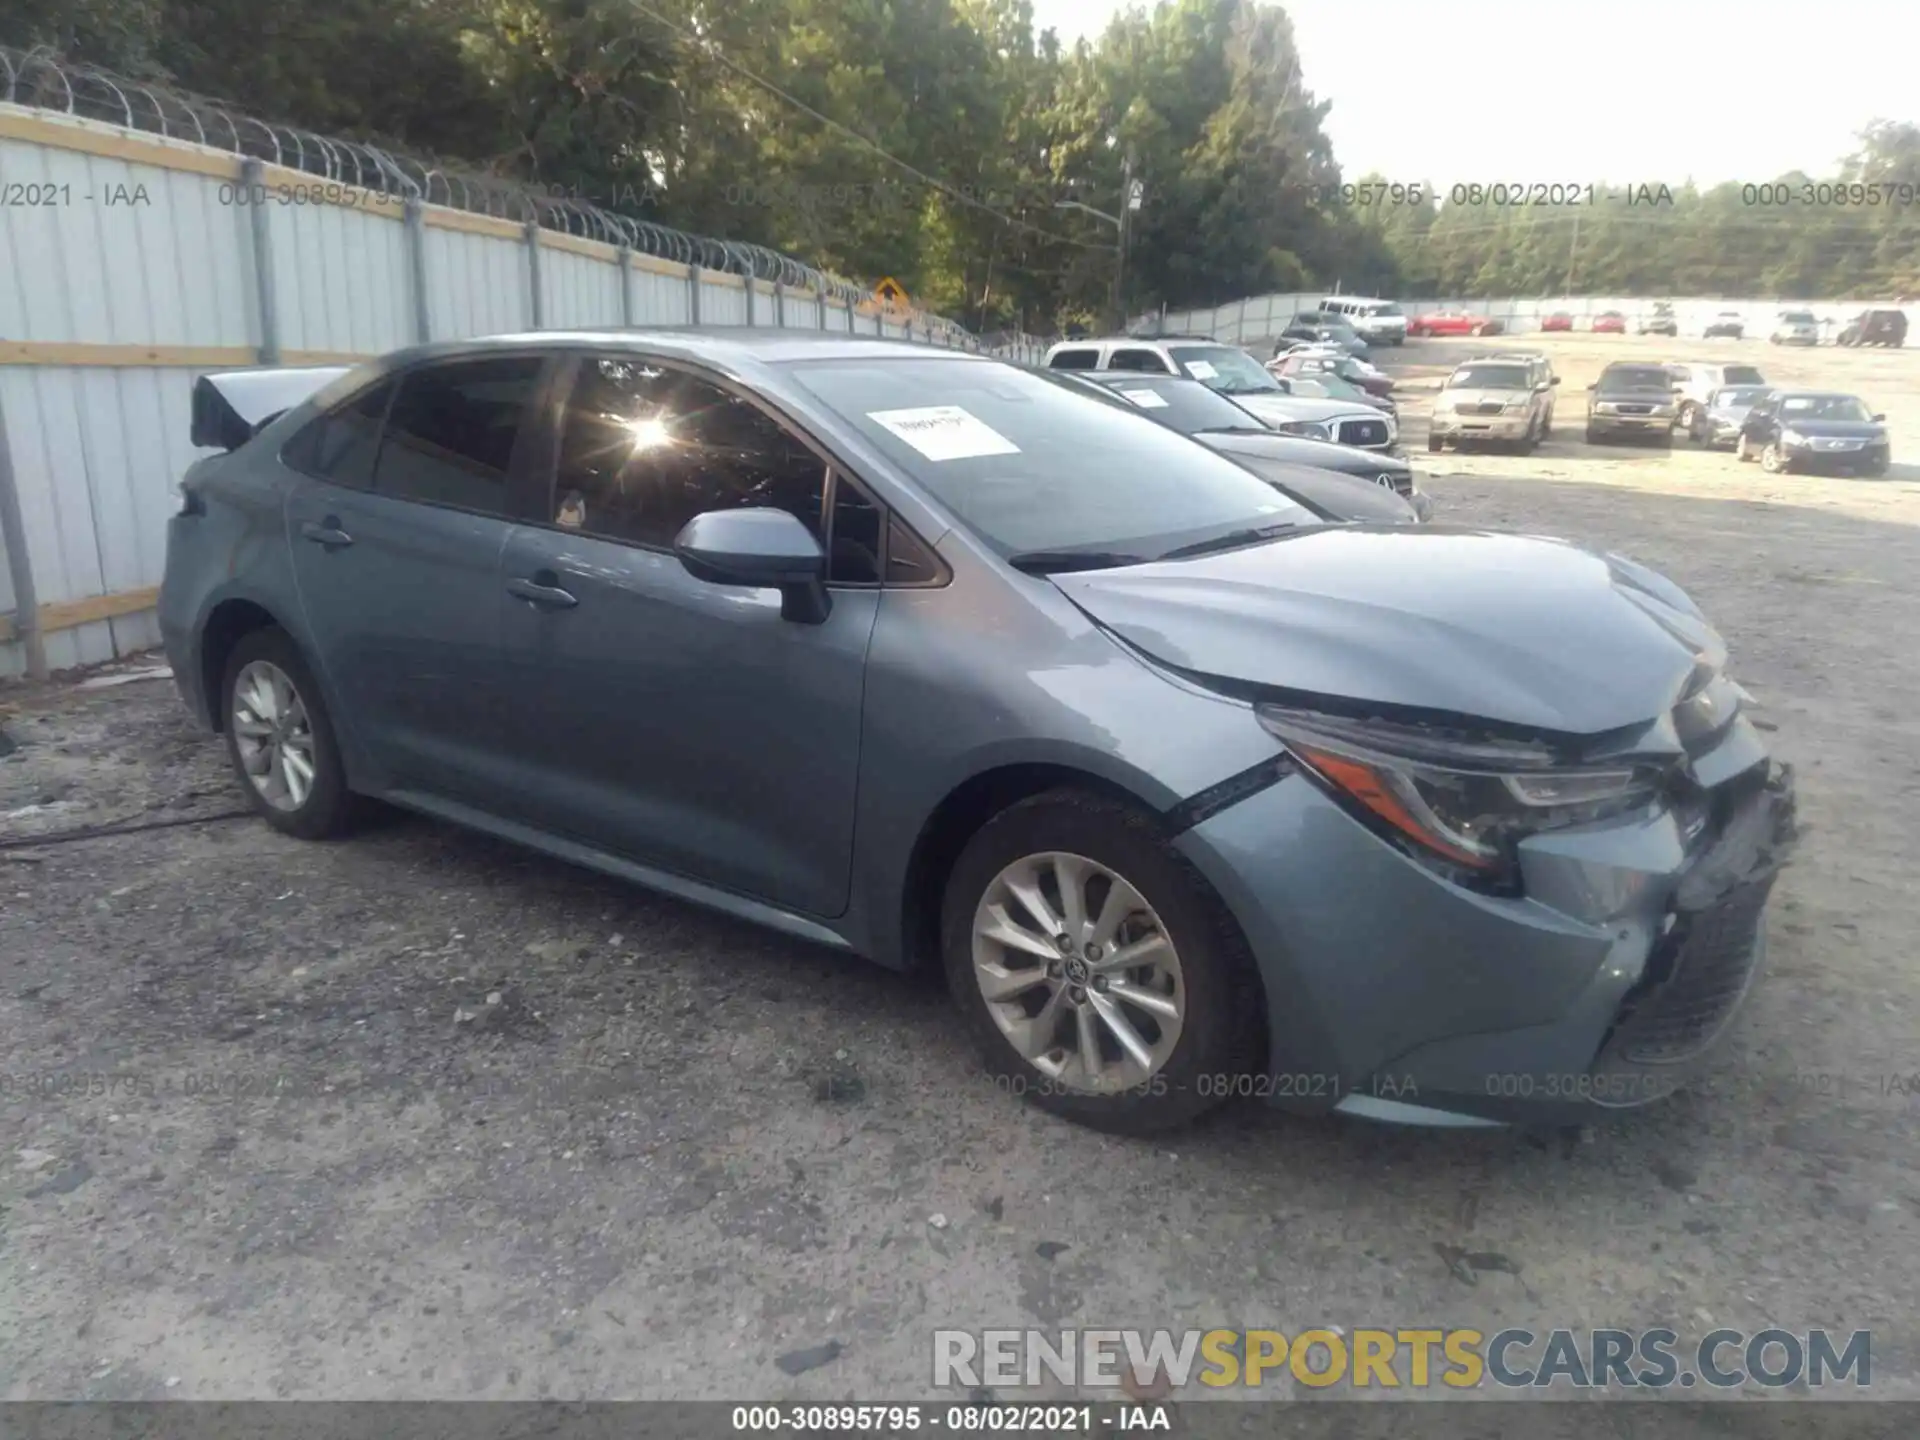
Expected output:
(1727, 325)
(919, 655)
(1239, 376)
(1659, 320)
(1543, 376)
(1796, 327)
(1452, 322)
(1717, 423)
(1310, 327)
(1559, 320)
(1696, 381)
(1609, 322)
(1498, 401)
(1631, 399)
(1349, 484)
(1328, 386)
(1875, 327)
(1319, 362)
(1381, 322)
(1815, 430)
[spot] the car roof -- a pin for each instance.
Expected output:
(733, 344)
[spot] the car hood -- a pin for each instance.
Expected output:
(1271, 404)
(1345, 497)
(1836, 429)
(1298, 450)
(1518, 630)
(1466, 396)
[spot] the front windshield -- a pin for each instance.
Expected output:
(1223, 368)
(1635, 377)
(1824, 407)
(1186, 405)
(1739, 397)
(1798, 317)
(1384, 308)
(1490, 377)
(1027, 464)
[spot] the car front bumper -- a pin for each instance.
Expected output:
(1631, 424)
(1396, 995)
(1482, 427)
(1866, 460)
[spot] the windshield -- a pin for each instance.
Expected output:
(1490, 377)
(1743, 375)
(1383, 307)
(1635, 377)
(1739, 397)
(1824, 407)
(1331, 385)
(1029, 465)
(1223, 368)
(1186, 405)
(1798, 317)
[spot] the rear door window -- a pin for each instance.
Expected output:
(1137, 359)
(341, 446)
(451, 433)
(1084, 358)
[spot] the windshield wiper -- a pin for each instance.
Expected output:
(1232, 540)
(1050, 562)
(1237, 430)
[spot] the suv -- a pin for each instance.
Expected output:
(1796, 327)
(1632, 399)
(1661, 321)
(1875, 327)
(1502, 400)
(1727, 325)
(1381, 322)
(1695, 384)
(1237, 375)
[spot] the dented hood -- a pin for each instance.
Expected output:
(1515, 629)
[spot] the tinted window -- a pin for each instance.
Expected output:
(1635, 377)
(908, 561)
(341, 446)
(1741, 375)
(1075, 360)
(854, 555)
(450, 436)
(644, 449)
(1144, 360)
(1492, 377)
(1824, 407)
(1028, 463)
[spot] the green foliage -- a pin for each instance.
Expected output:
(658, 108)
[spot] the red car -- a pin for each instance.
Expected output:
(1610, 322)
(1559, 320)
(1452, 322)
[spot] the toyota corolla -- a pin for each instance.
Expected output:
(920, 655)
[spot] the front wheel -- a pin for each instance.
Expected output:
(280, 738)
(1772, 461)
(1100, 976)
(1689, 418)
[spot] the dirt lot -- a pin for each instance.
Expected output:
(420, 1115)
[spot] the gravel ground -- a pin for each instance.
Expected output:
(420, 1115)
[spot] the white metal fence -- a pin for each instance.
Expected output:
(132, 262)
(1261, 317)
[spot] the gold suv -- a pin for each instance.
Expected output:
(1503, 401)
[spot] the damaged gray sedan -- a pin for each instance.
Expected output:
(922, 656)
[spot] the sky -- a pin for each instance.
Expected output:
(1529, 91)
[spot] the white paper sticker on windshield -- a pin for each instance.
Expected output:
(945, 432)
(1146, 399)
(1201, 370)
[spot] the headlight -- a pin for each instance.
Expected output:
(1516, 407)
(1308, 429)
(1792, 437)
(1465, 801)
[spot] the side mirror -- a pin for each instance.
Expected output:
(766, 549)
(1879, 419)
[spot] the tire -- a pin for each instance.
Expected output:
(326, 808)
(1689, 417)
(1772, 461)
(1434, 444)
(1220, 1026)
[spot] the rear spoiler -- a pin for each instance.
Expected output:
(230, 407)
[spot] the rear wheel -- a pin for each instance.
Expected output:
(1100, 976)
(280, 738)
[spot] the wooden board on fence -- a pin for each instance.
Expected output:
(66, 614)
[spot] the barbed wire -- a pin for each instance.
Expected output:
(42, 80)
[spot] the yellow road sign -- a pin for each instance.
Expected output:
(888, 292)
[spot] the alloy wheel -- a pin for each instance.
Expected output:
(1078, 972)
(1770, 460)
(273, 735)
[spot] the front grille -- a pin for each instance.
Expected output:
(1371, 434)
(1635, 409)
(1695, 978)
(1492, 409)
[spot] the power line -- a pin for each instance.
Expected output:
(714, 51)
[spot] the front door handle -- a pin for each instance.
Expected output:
(537, 592)
(326, 533)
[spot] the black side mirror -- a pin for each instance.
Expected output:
(1879, 419)
(762, 548)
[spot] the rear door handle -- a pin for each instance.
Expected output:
(327, 533)
(549, 597)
